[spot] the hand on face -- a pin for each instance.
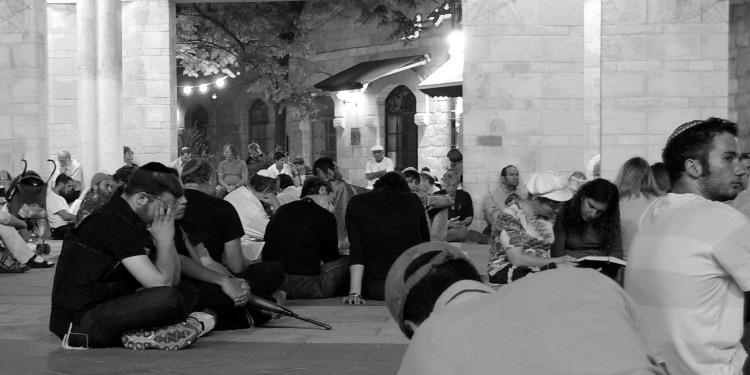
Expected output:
(162, 226)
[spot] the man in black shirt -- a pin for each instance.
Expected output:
(461, 213)
(115, 275)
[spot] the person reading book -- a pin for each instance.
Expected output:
(589, 224)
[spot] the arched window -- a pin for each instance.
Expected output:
(400, 131)
(323, 133)
(196, 116)
(258, 125)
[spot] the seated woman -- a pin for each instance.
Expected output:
(232, 172)
(381, 224)
(589, 224)
(522, 233)
(637, 189)
(302, 236)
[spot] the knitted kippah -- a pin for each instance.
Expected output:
(683, 128)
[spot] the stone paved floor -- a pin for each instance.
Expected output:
(364, 339)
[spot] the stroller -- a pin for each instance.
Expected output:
(27, 197)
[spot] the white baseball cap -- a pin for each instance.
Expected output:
(377, 148)
(548, 184)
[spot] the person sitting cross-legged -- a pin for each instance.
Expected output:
(117, 271)
(15, 244)
(60, 219)
(461, 213)
(248, 200)
(101, 190)
(302, 236)
(213, 229)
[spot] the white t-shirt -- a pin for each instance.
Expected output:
(290, 194)
(56, 203)
(254, 220)
(385, 165)
(286, 169)
(687, 268)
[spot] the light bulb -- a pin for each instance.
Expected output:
(221, 82)
(203, 88)
(187, 90)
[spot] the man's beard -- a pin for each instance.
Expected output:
(714, 190)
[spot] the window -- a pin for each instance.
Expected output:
(400, 131)
(258, 124)
(324, 136)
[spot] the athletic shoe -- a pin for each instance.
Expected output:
(174, 337)
(204, 321)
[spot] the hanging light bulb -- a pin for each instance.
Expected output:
(203, 88)
(221, 82)
(187, 90)
(213, 96)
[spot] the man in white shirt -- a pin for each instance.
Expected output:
(688, 264)
(71, 168)
(377, 167)
(248, 201)
(60, 219)
(185, 155)
(280, 166)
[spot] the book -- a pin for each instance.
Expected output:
(596, 261)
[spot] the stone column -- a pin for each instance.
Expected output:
(24, 86)
(109, 85)
(592, 80)
(86, 21)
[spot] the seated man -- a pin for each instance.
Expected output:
(326, 169)
(102, 187)
(436, 206)
(116, 272)
(288, 192)
(61, 221)
(280, 166)
(581, 322)
(248, 202)
(179, 163)
(208, 241)
(71, 168)
(15, 244)
(461, 213)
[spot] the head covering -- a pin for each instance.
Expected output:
(683, 128)
(298, 160)
(409, 169)
(549, 185)
(99, 177)
(264, 173)
(397, 289)
(184, 150)
(192, 166)
(377, 148)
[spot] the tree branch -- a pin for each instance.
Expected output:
(221, 26)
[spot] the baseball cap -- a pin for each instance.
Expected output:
(377, 148)
(397, 288)
(548, 184)
(99, 177)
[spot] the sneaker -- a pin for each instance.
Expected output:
(174, 337)
(204, 321)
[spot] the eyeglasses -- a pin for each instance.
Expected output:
(170, 204)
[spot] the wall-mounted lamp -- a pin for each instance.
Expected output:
(350, 96)
(456, 42)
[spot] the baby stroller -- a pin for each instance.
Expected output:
(27, 197)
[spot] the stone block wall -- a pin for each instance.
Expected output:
(148, 68)
(739, 68)
(523, 89)
(23, 80)
(663, 63)
(63, 80)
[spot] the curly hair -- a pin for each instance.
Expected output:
(607, 226)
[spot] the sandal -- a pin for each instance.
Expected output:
(8, 264)
(33, 263)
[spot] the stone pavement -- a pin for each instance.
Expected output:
(364, 339)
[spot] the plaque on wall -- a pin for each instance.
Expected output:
(355, 136)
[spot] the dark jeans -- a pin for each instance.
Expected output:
(59, 233)
(104, 324)
(373, 289)
(199, 296)
(332, 281)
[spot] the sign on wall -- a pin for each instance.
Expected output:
(355, 136)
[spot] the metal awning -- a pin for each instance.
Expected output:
(447, 80)
(362, 74)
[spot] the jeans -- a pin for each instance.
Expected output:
(332, 281)
(199, 296)
(457, 234)
(264, 278)
(104, 324)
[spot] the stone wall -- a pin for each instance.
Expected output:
(63, 80)
(523, 89)
(664, 62)
(739, 68)
(23, 80)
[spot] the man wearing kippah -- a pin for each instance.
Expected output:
(378, 166)
(102, 187)
(690, 260)
(562, 321)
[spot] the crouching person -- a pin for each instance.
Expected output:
(582, 322)
(114, 281)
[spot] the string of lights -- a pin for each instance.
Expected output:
(203, 88)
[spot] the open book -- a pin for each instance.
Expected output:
(596, 261)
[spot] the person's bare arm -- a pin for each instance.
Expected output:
(233, 257)
(67, 216)
(162, 271)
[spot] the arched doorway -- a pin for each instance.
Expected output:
(258, 125)
(323, 133)
(400, 131)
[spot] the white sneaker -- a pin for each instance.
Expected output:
(204, 321)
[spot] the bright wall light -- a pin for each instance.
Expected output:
(350, 96)
(456, 42)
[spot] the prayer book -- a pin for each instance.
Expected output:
(596, 261)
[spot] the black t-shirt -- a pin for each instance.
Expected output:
(211, 221)
(300, 235)
(114, 230)
(462, 207)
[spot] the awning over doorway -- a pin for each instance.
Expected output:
(447, 80)
(362, 74)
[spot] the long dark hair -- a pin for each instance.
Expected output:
(606, 226)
